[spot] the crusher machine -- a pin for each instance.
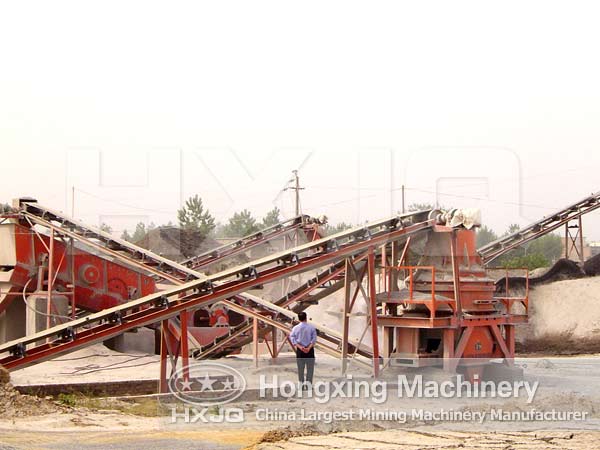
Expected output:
(444, 306)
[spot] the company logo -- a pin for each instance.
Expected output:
(207, 384)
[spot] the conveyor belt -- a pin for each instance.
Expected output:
(206, 291)
(124, 251)
(537, 229)
(210, 257)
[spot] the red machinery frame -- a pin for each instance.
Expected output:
(360, 260)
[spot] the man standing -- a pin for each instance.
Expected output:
(303, 338)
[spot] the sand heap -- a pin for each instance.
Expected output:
(564, 317)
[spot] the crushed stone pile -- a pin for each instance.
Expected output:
(15, 404)
(563, 269)
(592, 266)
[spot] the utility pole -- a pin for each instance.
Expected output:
(297, 188)
(403, 210)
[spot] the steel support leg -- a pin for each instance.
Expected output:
(346, 316)
(255, 340)
(509, 331)
(164, 355)
(184, 344)
(275, 349)
(448, 345)
(50, 279)
(373, 311)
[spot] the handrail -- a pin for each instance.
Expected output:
(431, 304)
(507, 299)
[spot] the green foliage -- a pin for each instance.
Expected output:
(419, 207)
(240, 224)
(512, 228)
(530, 261)
(68, 399)
(106, 228)
(271, 218)
(485, 235)
(540, 252)
(139, 233)
(333, 229)
(550, 246)
(194, 217)
(126, 236)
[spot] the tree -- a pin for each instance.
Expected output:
(194, 217)
(139, 233)
(550, 246)
(512, 228)
(485, 235)
(540, 252)
(126, 236)
(419, 207)
(271, 218)
(240, 224)
(531, 261)
(106, 228)
(413, 207)
(333, 229)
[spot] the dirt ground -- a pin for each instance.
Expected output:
(421, 439)
(100, 431)
(77, 422)
(82, 423)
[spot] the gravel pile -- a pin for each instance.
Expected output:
(15, 404)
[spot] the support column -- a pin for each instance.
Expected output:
(509, 331)
(275, 349)
(574, 241)
(581, 255)
(255, 340)
(567, 240)
(346, 316)
(164, 354)
(184, 343)
(50, 279)
(448, 345)
(455, 274)
(73, 300)
(388, 341)
(373, 311)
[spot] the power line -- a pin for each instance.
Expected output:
(125, 204)
(481, 199)
(416, 189)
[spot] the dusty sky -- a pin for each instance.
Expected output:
(139, 105)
